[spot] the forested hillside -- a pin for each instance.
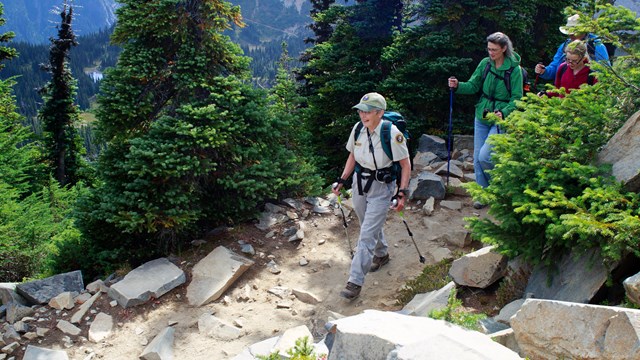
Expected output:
(88, 61)
(267, 25)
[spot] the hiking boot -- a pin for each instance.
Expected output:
(478, 205)
(351, 291)
(378, 261)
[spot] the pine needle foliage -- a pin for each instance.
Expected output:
(547, 194)
(190, 143)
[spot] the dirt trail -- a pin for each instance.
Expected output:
(326, 250)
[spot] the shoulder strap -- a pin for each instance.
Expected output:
(385, 138)
(591, 47)
(486, 70)
(507, 80)
(358, 130)
(562, 69)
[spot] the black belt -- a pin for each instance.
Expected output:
(362, 173)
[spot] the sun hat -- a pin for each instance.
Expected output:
(371, 101)
(572, 22)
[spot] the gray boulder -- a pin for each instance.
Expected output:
(434, 144)
(379, 335)
(623, 152)
(38, 353)
(478, 269)
(632, 288)
(427, 185)
(41, 291)
(548, 329)
(154, 278)
(574, 278)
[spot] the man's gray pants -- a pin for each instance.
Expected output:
(371, 209)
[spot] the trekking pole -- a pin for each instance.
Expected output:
(401, 213)
(449, 144)
(344, 221)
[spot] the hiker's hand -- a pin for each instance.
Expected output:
(335, 189)
(453, 82)
(540, 69)
(398, 203)
(498, 113)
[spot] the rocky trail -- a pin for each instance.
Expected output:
(318, 264)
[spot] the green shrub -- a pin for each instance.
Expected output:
(34, 229)
(455, 313)
(547, 194)
(303, 350)
(433, 277)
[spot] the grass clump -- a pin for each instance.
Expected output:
(456, 314)
(433, 277)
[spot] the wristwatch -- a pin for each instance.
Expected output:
(405, 192)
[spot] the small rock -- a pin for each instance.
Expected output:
(30, 335)
(284, 304)
(68, 328)
(273, 267)
(304, 262)
(9, 349)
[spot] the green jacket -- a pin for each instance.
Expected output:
(494, 87)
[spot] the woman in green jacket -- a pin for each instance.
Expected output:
(495, 97)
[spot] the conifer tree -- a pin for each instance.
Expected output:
(450, 40)
(59, 114)
(17, 153)
(344, 68)
(190, 143)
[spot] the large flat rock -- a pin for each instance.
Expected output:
(152, 279)
(213, 275)
(546, 329)
(41, 291)
(573, 278)
(623, 152)
(379, 335)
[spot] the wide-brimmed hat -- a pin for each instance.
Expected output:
(371, 101)
(572, 22)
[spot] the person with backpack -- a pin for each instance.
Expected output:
(499, 87)
(374, 185)
(574, 71)
(596, 50)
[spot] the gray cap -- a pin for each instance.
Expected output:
(371, 101)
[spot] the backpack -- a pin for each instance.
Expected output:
(526, 87)
(563, 67)
(389, 118)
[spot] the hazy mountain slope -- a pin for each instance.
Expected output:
(35, 21)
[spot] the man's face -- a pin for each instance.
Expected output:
(574, 37)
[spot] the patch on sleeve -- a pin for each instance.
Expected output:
(399, 138)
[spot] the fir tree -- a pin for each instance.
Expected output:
(344, 68)
(190, 143)
(59, 114)
(440, 45)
